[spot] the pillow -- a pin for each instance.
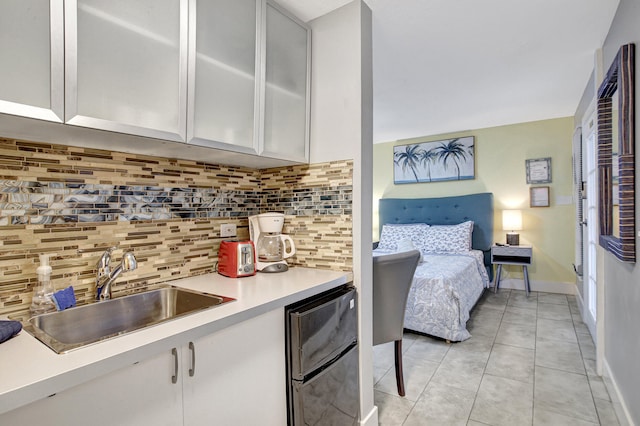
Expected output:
(448, 238)
(393, 233)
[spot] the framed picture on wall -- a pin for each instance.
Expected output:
(539, 196)
(538, 170)
(445, 160)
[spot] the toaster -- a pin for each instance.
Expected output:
(237, 259)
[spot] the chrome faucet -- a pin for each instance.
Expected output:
(106, 276)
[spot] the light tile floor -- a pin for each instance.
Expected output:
(530, 361)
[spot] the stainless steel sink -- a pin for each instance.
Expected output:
(77, 327)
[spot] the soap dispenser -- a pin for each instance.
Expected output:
(42, 302)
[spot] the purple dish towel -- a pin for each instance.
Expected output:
(8, 329)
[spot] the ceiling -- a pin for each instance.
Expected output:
(444, 66)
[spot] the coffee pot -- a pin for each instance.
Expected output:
(272, 247)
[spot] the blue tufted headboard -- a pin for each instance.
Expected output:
(446, 211)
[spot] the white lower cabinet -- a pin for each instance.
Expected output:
(238, 378)
(140, 394)
(240, 375)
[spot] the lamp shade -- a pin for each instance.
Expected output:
(512, 220)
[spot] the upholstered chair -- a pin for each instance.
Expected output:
(392, 277)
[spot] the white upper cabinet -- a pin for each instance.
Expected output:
(31, 59)
(225, 74)
(286, 89)
(249, 79)
(126, 66)
(223, 64)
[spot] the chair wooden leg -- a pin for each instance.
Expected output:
(399, 374)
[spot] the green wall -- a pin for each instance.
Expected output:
(500, 168)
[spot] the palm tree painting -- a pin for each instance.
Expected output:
(451, 159)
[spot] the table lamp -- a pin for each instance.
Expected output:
(512, 221)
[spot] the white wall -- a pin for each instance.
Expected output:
(622, 280)
(342, 128)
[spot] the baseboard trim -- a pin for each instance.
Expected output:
(624, 417)
(371, 419)
(544, 286)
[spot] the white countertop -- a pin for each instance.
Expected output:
(29, 370)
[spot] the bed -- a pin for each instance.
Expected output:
(455, 235)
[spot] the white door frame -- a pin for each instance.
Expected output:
(593, 293)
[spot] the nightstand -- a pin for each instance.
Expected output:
(512, 255)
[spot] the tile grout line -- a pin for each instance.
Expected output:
(493, 342)
(593, 399)
(413, 406)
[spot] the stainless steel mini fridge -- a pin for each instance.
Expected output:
(322, 359)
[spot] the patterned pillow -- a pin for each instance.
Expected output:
(393, 233)
(448, 238)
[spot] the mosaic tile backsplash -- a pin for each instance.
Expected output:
(77, 202)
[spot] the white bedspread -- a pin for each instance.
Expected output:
(445, 288)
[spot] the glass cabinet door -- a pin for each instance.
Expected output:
(222, 73)
(286, 91)
(126, 66)
(32, 59)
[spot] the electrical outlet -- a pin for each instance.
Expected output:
(228, 230)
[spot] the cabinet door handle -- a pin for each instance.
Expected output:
(174, 378)
(192, 370)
